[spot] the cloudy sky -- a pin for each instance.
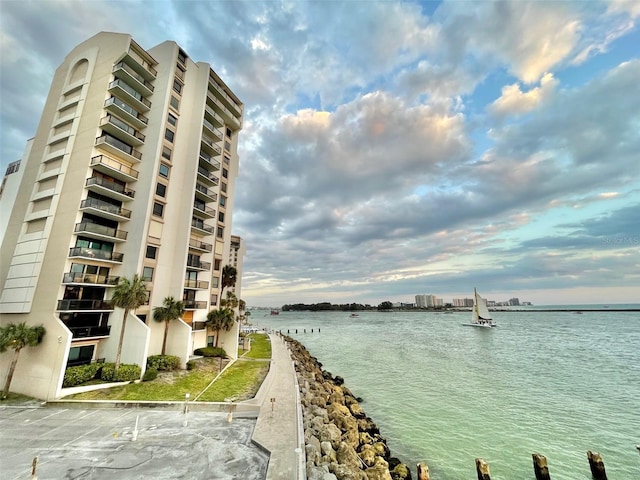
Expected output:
(398, 148)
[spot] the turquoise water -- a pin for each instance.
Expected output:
(554, 383)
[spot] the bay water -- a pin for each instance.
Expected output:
(554, 383)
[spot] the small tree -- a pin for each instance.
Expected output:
(221, 319)
(128, 294)
(229, 277)
(171, 309)
(16, 337)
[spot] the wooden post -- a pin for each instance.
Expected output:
(34, 467)
(540, 467)
(482, 469)
(597, 466)
(423, 471)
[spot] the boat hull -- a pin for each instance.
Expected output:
(479, 325)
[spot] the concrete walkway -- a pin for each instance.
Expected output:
(279, 425)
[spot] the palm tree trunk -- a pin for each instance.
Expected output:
(12, 368)
(124, 324)
(164, 340)
(217, 338)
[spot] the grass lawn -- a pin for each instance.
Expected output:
(241, 381)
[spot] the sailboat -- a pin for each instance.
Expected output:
(480, 314)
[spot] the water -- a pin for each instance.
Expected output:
(555, 383)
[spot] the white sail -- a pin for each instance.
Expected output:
(480, 310)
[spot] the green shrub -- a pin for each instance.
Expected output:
(210, 352)
(126, 373)
(80, 374)
(191, 364)
(150, 374)
(163, 362)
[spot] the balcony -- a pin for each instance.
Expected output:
(209, 146)
(205, 194)
(100, 232)
(121, 130)
(118, 148)
(94, 254)
(203, 212)
(84, 305)
(207, 162)
(109, 189)
(105, 210)
(207, 176)
(126, 112)
(141, 65)
(201, 227)
(196, 244)
(199, 265)
(226, 114)
(133, 78)
(114, 168)
(89, 279)
(194, 305)
(213, 130)
(214, 120)
(224, 96)
(199, 326)
(122, 89)
(196, 284)
(89, 332)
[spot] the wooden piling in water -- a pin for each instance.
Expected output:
(423, 471)
(540, 467)
(597, 466)
(482, 469)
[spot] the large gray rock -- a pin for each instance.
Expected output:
(345, 472)
(378, 472)
(331, 433)
(328, 452)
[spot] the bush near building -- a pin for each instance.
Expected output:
(163, 362)
(210, 352)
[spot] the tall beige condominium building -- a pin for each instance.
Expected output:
(131, 171)
(237, 251)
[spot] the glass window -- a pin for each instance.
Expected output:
(151, 252)
(158, 209)
(228, 132)
(175, 103)
(172, 119)
(223, 187)
(147, 274)
(177, 86)
(163, 171)
(161, 190)
(166, 152)
(221, 217)
(210, 340)
(227, 145)
(225, 173)
(216, 264)
(220, 232)
(168, 134)
(223, 200)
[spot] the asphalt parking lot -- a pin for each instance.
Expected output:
(105, 444)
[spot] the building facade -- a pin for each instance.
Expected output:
(132, 171)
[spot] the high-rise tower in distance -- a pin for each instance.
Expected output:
(131, 171)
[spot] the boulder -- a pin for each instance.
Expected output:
(378, 472)
(346, 455)
(328, 452)
(344, 472)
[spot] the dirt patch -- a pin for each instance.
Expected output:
(208, 365)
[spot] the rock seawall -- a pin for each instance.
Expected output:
(341, 441)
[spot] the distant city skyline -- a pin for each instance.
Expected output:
(393, 147)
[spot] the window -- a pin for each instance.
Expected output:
(166, 152)
(177, 86)
(228, 132)
(227, 145)
(182, 57)
(175, 103)
(210, 340)
(220, 232)
(172, 119)
(168, 134)
(223, 187)
(221, 217)
(214, 299)
(226, 160)
(151, 252)
(216, 264)
(163, 171)
(161, 190)
(223, 200)
(225, 173)
(158, 209)
(147, 274)
(215, 281)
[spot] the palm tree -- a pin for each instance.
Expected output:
(128, 294)
(16, 337)
(221, 319)
(229, 277)
(171, 309)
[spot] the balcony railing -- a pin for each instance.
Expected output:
(122, 85)
(90, 331)
(232, 103)
(92, 278)
(195, 243)
(127, 108)
(98, 229)
(199, 264)
(209, 212)
(141, 61)
(118, 144)
(133, 74)
(199, 325)
(96, 254)
(117, 126)
(212, 144)
(65, 305)
(105, 207)
(114, 165)
(194, 305)
(197, 284)
(109, 185)
(202, 226)
(205, 191)
(210, 176)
